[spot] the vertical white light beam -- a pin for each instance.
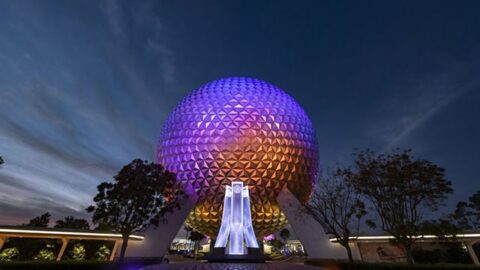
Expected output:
(222, 236)
(236, 220)
(247, 220)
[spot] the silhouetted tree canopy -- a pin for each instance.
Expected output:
(40, 221)
(336, 205)
(444, 229)
(72, 223)
(196, 237)
(104, 227)
(139, 196)
(467, 214)
(401, 190)
(284, 234)
(28, 247)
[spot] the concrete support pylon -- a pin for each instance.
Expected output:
(358, 253)
(2, 242)
(62, 249)
(157, 240)
(310, 233)
(471, 252)
(115, 249)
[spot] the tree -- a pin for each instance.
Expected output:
(78, 251)
(1, 161)
(401, 190)
(196, 238)
(72, 223)
(449, 250)
(337, 206)
(40, 221)
(104, 227)
(140, 195)
(284, 234)
(444, 229)
(30, 248)
(467, 214)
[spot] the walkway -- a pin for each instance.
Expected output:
(231, 266)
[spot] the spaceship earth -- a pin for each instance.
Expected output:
(240, 129)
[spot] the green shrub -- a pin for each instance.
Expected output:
(45, 255)
(31, 247)
(92, 247)
(9, 254)
(103, 253)
(78, 252)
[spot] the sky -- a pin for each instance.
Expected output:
(86, 85)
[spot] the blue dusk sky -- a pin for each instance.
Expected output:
(86, 85)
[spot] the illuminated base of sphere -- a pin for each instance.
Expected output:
(267, 218)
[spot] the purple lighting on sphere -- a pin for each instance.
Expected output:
(240, 129)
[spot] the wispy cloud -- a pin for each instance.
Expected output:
(72, 114)
(149, 46)
(415, 103)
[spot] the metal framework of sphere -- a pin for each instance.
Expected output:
(240, 129)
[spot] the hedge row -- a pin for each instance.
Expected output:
(70, 265)
(345, 265)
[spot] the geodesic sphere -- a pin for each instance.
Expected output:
(240, 129)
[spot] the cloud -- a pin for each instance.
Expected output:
(422, 114)
(15, 211)
(126, 21)
(71, 113)
(115, 18)
(415, 103)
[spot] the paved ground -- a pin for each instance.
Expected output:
(231, 266)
